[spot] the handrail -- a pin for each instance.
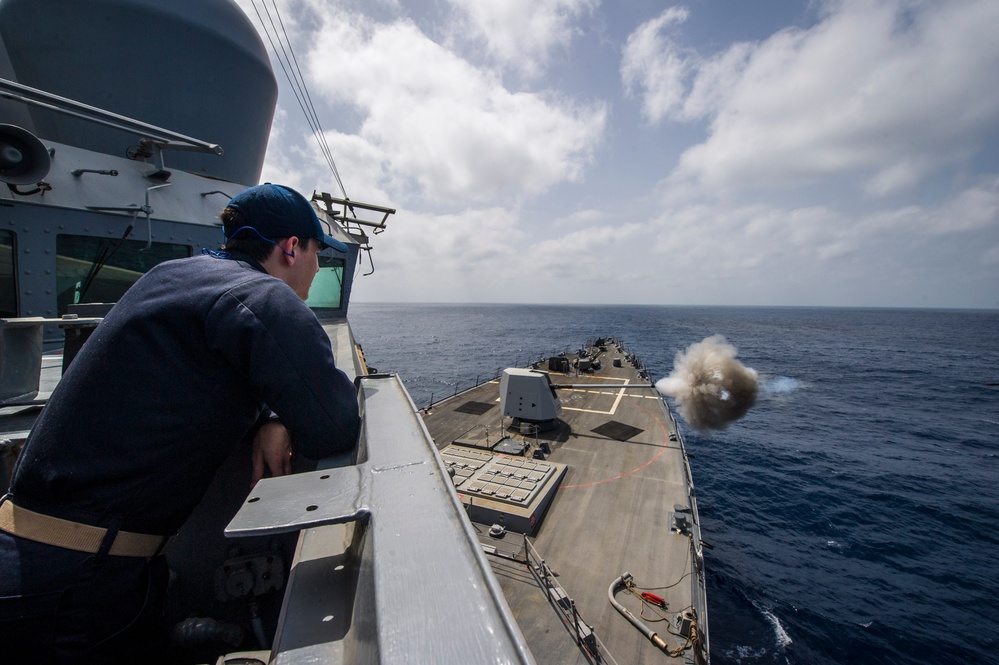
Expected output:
(35, 97)
(588, 642)
(416, 557)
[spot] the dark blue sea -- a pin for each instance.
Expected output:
(854, 511)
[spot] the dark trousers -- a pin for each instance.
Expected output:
(60, 606)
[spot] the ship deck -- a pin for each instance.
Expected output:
(613, 513)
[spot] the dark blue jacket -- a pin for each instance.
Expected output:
(172, 379)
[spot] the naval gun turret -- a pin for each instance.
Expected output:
(529, 396)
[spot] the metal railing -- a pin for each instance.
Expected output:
(589, 644)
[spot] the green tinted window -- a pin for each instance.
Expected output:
(92, 269)
(8, 282)
(327, 287)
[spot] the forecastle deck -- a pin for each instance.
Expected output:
(604, 492)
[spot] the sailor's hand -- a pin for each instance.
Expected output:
(271, 447)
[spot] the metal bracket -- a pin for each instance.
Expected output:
(135, 210)
(304, 500)
(409, 514)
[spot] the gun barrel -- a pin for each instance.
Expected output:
(602, 385)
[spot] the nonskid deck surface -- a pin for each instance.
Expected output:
(611, 513)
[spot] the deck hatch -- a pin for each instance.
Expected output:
(612, 429)
(474, 408)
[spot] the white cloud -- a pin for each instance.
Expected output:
(716, 77)
(493, 255)
(973, 209)
(762, 253)
(445, 258)
(521, 34)
(445, 128)
(586, 256)
(749, 254)
(897, 90)
(657, 66)
(430, 125)
(876, 97)
(580, 218)
(286, 162)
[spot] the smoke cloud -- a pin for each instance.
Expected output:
(711, 388)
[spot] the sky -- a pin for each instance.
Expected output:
(712, 152)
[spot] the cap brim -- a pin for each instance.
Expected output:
(332, 243)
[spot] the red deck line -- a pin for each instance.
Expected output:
(628, 473)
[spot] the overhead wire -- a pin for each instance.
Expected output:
(321, 135)
(292, 72)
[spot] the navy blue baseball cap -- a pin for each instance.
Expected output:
(276, 211)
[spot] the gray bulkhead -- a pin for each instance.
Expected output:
(197, 67)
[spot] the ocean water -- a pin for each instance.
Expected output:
(853, 512)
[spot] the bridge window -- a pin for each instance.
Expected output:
(327, 288)
(8, 281)
(90, 269)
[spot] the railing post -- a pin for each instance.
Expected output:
(575, 621)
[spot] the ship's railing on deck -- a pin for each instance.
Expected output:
(698, 598)
(589, 643)
(462, 386)
(388, 568)
(491, 375)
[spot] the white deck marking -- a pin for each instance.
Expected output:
(620, 393)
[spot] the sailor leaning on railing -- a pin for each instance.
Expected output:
(200, 355)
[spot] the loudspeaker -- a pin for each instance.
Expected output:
(23, 158)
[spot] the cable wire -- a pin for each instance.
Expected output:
(281, 46)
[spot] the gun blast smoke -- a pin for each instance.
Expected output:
(711, 388)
